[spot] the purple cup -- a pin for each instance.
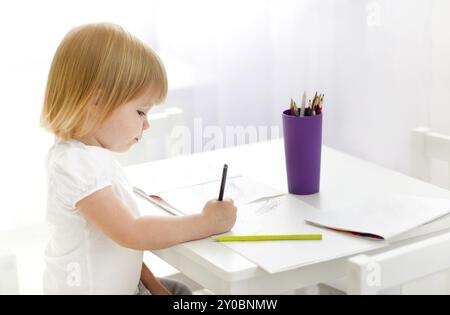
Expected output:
(302, 148)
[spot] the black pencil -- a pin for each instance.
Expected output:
(222, 185)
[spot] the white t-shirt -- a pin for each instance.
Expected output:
(80, 259)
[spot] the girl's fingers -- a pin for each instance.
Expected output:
(229, 200)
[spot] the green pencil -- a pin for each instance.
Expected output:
(258, 238)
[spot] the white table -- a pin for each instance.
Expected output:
(344, 181)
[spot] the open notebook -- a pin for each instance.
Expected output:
(382, 218)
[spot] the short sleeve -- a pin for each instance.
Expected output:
(76, 174)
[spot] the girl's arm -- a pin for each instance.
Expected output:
(112, 216)
(152, 283)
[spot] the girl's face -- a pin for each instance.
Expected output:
(125, 126)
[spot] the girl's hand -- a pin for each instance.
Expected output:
(220, 215)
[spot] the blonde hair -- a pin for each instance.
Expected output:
(99, 63)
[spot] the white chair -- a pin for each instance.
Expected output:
(410, 267)
(157, 142)
(425, 147)
(9, 281)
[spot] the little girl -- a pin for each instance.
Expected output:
(101, 85)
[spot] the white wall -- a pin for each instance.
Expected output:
(372, 59)
(440, 104)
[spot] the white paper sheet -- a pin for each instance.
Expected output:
(386, 216)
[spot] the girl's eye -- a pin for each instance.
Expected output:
(140, 113)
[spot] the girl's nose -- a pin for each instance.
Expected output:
(146, 124)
